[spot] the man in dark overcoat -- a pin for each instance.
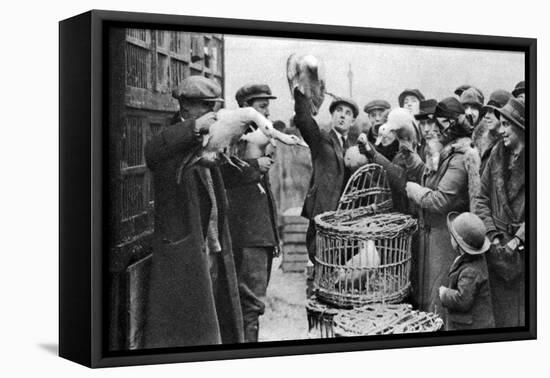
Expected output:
(327, 154)
(193, 297)
(501, 206)
(253, 217)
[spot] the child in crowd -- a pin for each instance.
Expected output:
(468, 298)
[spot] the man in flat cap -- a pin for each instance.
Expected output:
(377, 112)
(252, 211)
(194, 298)
(327, 154)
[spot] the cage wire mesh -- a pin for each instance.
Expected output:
(363, 256)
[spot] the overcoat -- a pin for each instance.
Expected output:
(329, 173)
(252, 211)
(185, 307)
(450, 188)
(484, 141)
(468, 297)
(501, 206)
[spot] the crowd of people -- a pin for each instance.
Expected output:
(460, 172)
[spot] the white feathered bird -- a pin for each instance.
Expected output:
(354, 159)
(224, 134)
(258, 141)
(368, 257)
(307, 73)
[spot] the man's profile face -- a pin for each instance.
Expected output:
(412, 104)
(342, 118)
(376, 117)
(261, 106)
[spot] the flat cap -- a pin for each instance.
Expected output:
(427, 108)
(519, 89)
(449, 107)
(198, 87)
(346, 101)
(410, 92)
(253, 91)
(376, 105)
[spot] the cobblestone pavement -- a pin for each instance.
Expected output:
(285, 314)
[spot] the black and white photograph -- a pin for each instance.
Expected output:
(266, 189)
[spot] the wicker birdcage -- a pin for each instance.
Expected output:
(319, 319)
(363, 252)
(384, 319)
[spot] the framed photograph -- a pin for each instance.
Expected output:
(235, 188)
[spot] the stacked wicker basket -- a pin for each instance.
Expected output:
(362, 263)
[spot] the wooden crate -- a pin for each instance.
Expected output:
(295, 255)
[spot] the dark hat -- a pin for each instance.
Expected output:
(427, 108)
(468, 230)
(376, 104)
(497, 99)
(410, 92)
(252, 92)
(198, 87)
(449, 107)
(513, 111)
(519, 89)
(462, 88)
(472, 96)
(347, 101)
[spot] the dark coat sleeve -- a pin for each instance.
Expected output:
(175, 140)
(234, 177)
(305, 122)
(449, 190)
(407, 167)
(462, 299)
(483, 203)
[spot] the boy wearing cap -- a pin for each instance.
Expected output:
(253, 225)
(501, 207)
(467, 298)
(327, 148)
(193, 295)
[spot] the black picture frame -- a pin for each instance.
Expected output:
(83, 185)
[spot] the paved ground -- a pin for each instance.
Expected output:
(285, 315)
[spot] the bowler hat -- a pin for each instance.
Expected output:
(458, 91)
(449, 107)
(376, 104)
(497, 99)
(346, 101)
(519, 89)
(513, 111)
(198, 87)
(468, 230)
(472, 96)
(253, 92)
(410, 92)
(427, 108)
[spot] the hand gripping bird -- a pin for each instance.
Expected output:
(306, 73)
(225, 133)
(258, 142)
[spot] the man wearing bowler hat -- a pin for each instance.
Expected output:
(327, 154)
(410, 99)
(252, 212)
(193, 298)
(501, 206)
